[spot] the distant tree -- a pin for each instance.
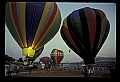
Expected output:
(20, 60)
(8, 58)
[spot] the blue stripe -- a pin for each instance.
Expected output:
(46, 19)
(38, 52)
(75, 18)
(36, 20)
(48, 15)
(40, 3)
(28, 20)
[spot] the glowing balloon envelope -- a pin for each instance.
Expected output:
(29, 51)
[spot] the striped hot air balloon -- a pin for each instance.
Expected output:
(84, 31)
(32, 24)
(57, 56)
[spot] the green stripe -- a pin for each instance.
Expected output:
(19, 21)
(46, 20)
(51, 33)
(10, 25)
(76, 24)
(103, 29)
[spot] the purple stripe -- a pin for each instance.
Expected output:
(28, 20)
(36, 20)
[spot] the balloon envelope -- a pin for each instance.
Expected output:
(45, 59)
(57, 55)
(84, 31)
(32, 24)
(37, 54)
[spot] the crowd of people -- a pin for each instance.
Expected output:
(9, 68)
(45, 67)
(87, 71)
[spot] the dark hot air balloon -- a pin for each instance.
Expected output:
(84, 31)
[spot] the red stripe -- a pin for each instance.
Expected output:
(91, 20)
(68, 36)
(14, 12)
(57, 57)
(49, 22)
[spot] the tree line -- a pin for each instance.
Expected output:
(9, 59)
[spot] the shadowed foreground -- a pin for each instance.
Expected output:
(76, 73)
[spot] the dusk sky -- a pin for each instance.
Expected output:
(107, 50)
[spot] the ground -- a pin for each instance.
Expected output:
(65, 73)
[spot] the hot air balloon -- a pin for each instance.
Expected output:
(36, 55)
(32, 24)
(57, 56)
(45, 59)
(29, 60)
(84, 31)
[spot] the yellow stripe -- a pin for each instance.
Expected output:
(22, 17)
(65, 23)
(48, 29)
(52, 21)
(15, 25)
(56, 55)
(104, 24)
(44, 15)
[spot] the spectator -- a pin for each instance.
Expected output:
(30, 67)
(7, 67)
(17, 71)
(112, 71)
(90, 71)
(49, 67)
(46, 67)
(11, 69)
(85, 71)
(43, 67)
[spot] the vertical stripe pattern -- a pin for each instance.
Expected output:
(32, 24)
(57, 55)
(84, 31)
